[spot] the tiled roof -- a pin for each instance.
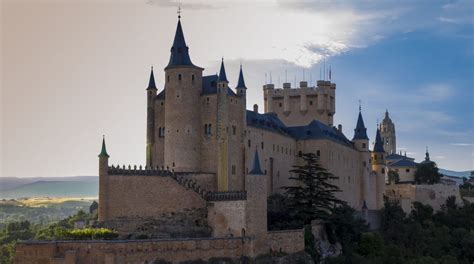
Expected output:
(209, 85)
(315, 130)
(179, 51)
(404, 163)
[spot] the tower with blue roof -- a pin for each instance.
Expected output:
(379, 168)
(182, 117)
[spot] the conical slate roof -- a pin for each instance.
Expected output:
(103, 151)
(241, 82)
(378, 147)
(179, 50)
(151, 83)
(360, 132)
(222, 75)
(256, 170)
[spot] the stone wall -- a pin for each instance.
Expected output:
(227, 218)
(147, 196)
(434, 195)
(288, 241)
(129, 251)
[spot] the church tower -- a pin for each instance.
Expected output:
(183, 85)
(387, 132)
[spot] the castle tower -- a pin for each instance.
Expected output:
(150, 119)
(256, 209)
(183, 85)
(378, 169)
(103, 181)
(242, 92)
(361, 143)
(222, 131)
(387, 132)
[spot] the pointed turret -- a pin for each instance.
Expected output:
(427, 155)
(179, 50)
(222, 74)
(256, 170)
(103, 152)
(151, 82)
(241, 82)
(378, 147)
(360, 132)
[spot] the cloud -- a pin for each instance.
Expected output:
(462, 144)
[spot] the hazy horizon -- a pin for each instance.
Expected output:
(73, 71)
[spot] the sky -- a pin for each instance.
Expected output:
(72, 71)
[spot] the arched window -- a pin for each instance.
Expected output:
(179, 77)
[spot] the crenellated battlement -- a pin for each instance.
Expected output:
(226, 196)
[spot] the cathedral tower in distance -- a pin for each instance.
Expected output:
(387, 132)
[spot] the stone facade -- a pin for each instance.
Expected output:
(434, 195)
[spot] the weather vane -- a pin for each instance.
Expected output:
(360, 105)
(179, 11)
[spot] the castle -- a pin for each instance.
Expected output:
(200, 131)
(211, 164)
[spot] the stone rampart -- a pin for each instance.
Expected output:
(130, 251)
(288, 241)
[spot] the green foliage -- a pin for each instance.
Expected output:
(427, 173)
(86, 234)
(278, 217)
(346, 228)
(313, 195)
(393, 177)
(423, 236)
(94, 207)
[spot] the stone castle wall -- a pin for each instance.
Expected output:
(129, 251)
(148, 251)
(147, 196)
(434, 195)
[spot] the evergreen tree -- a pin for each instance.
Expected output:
(427, 172)
(313, 195)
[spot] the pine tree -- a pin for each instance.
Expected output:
(313, 196)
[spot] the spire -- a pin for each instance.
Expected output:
(103, 151)
(386, 113)
(360, 132)
(241, 82)
(222, 75)
(151, 83)
(256, 170)
(179, 50)
(427, 155)
(378, 147)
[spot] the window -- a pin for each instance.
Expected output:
(383, 170)
(207, 129)
(234, 130)
(233, 169)
(179, 77)
(273, 147)
(407, 170)
(280, 104)
(300, 153)
(174, 164)
(318, 153)
(261, 144)
(168, 78)
(192, 78)
(310, 102)
(364, 145)
(364, 164)
(249, 143)
(161, 132)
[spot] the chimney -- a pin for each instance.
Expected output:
(255, 108)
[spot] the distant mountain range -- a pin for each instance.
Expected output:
(78, 186)
(84, 186)
(459, 174)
